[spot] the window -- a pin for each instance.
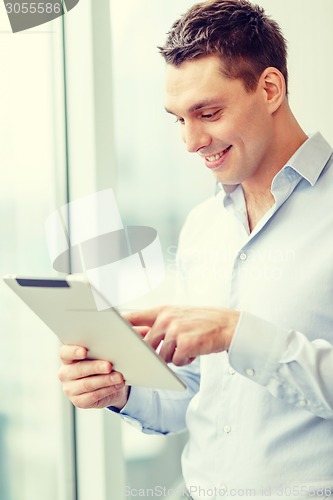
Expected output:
(36, 452)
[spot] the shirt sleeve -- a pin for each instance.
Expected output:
(160, 411)
(287, 363)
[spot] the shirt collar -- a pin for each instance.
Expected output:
(308, 162)
(310, 158)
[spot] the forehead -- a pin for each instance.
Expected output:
(195, 81)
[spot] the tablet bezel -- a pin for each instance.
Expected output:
(67, 306)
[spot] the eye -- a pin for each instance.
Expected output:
(210, 116)
(180, 120)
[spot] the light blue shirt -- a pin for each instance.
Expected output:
(260, 417)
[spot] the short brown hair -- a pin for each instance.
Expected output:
(245, 38)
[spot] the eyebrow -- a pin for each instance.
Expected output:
(199, 105)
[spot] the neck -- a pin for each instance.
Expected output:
(287, 136)
(257, 205)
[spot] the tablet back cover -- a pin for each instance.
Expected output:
(68, 307)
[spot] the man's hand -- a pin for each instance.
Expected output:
(187, 332)
(90, 383)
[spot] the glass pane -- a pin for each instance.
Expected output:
(32, 182)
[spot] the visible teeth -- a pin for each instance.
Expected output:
(214, 157)
(217, 156)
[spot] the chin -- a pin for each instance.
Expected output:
(225, 180)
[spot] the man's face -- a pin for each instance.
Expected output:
(231, 129)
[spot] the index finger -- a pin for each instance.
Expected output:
(143, 318)
(71, 353)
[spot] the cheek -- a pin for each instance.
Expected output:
(259, 120)
(256, 133)
(224, 131)
(235, 127)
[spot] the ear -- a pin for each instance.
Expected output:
(273, 84)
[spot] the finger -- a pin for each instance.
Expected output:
(154, 337)
(141, 330)
(91, 384)
(180, 358)
(142, 318)
(82, 369)
(167, 350)
(72, 353)
(95, 399)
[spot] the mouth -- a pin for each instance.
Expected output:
(216, 160)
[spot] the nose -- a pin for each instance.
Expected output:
(195, 137)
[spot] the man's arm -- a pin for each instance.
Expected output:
(292, 367)
(155, 411)
(187, 332)
(287, 363)
(92, 384)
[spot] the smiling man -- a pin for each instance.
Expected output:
(254, 341)
(244, 136)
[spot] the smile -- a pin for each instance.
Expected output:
(217, 156)
(215, 160)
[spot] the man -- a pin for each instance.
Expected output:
(254, 343)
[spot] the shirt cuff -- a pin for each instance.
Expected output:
(137, 410)
(256, 348)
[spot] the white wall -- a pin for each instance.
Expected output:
(307, 26)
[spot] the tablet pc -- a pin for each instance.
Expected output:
(67, 306)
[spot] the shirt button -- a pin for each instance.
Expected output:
(232, 371)
(227, 429)
(243, 256)
(250, 372)
(302, 402)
